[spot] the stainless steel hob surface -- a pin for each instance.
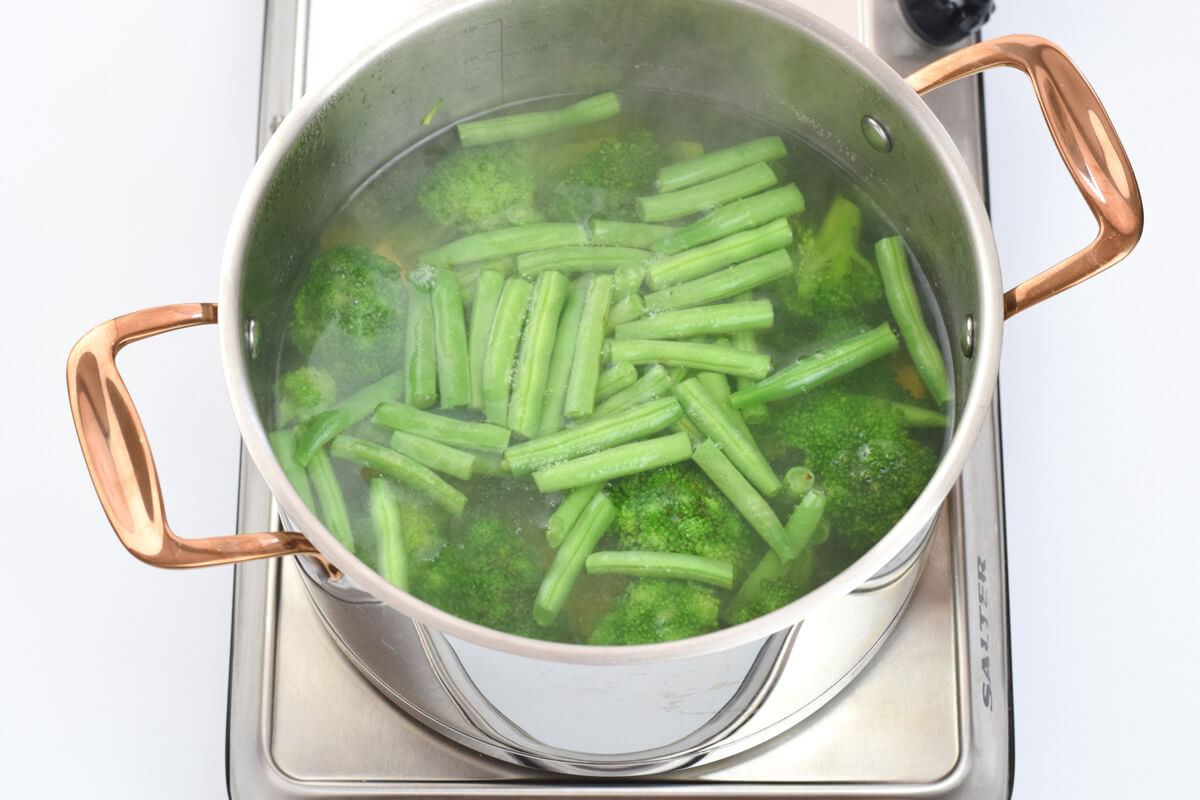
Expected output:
(929, 717)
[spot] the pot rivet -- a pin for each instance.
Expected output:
(252, 337)
(968, 336)
(276, 121)
(876, 134)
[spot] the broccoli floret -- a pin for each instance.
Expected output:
(658, 610)
(481, 188)
(771, 585)
(349, 316)
(304, 392)
(605, 182)
(870, 467)
(677, 509)
(422, 524)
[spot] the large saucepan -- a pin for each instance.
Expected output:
(573, 708)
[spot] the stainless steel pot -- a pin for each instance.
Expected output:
(572, 708)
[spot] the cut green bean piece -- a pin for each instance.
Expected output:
(628, 279)
(468, 275)
(627, 425)
(902, 299)
(580, 259)
(384, 509)
(719, 162)
(705, 196)
(654, 384)
(717, 385)
(825, 365)
(283, 443)
(450, 341)
(694, 355)
(570, 557)
(722, 285)
(502, 346)
(329, 494)
(538, 123)
(420, 359)
(700, 261)
(568, 512)
(770, 568)
(492, 464)
(917, 417)
(537, 345)
(561, 359)
(447, 430)
(627, 309)
(435, 455)
(401, 468)
(717, 425)
(614, 379)
(700, 321)
(653, 564)
(616, 233)
(798, 481)
(756, 413)
(585, 368)
(507, 242)
(805, 518)
(491, 283)
(616, 462)
(362, 403)
(745, 499)
(738, 216)
(317, 431)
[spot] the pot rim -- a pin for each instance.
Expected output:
(986, 358)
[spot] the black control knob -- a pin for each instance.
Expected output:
(944, 22)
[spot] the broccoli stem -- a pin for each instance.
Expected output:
(738, 216)
(741, 449)
(626, 309)
(580, 259)
(805, 518)
(450, 341)
(745, 341)
(614, 379)
(616, 462)
(722, 285)
(811, 371)
(315, 432)
(435, 455)
(585, 369)
(507, 242)
(561, 360)
(401, 468)
(615, 233)
(502, 345)
(902, 299)
(655, 383)
(628, 279)
(917, 417)
(705, 196)
(745, 499)
(570, 556)
(454, 432)
(537, 345)
(653, 564)
(593, 435)
(487, 298)
(384, 509)
(717, 385)
(538, 123)
(700, 261)
(719, 162)
(567, 514)
(694, 355)
(798, 481)
(420, 359)
(329, 495)
(283, 443)
(700, 321)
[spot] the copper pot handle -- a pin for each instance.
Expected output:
(118, 454)
(1086, 140)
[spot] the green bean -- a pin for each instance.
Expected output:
(700, 261)
(384, 509)
(717, 385)
(401, 468)
(798, 481)
(655, 383)
(420, 360)
(825, 365)
(317, 431)
(538, 123)
(561, 359)
(745, 499)
(333, 502)
(902, 299)
(627, 309)
(567, 513)
(491, 283)
(705, 196)
(491, 464)
(653, 564)
(283, 443)
(719, 162)
(537, 345)
(447, 430)
(569, 559)
(804, 519)
(585, 368)
(468, 275)
(741, 449)
(615, 233)
(917, 417)
(450, 337)
(580, 259)
(756, 413)
(722, 285)
(694, 355)
(614, 379)
(700, 321)
(627, 425)
(628, 279)
(616, 462)
(502, 348)
(507, 242)
(770, 568)
(362, 403)
(435, 455)
(737, 216)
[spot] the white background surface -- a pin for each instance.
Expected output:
(127, 133)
